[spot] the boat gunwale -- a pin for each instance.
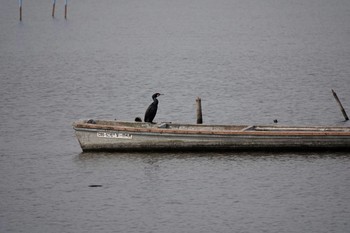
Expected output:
(246, 130)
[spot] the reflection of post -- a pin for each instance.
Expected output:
(20, 10)
(65, 9)
(199, 111)
(340, 105)
(53, 8)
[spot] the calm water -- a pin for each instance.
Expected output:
(251, 61)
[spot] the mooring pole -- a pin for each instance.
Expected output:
(53, 8)
(20, 10)
(199, 111)
(65, 9)
(340, 105)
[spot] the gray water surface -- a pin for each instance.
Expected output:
(250, 61)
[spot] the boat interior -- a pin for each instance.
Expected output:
(199, 127)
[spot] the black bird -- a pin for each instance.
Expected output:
(152, 109)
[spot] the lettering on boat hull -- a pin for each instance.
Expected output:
(114, 135)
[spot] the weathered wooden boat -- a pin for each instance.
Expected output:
(105, 135)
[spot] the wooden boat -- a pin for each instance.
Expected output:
(105, 135)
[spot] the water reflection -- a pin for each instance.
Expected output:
(153, 157)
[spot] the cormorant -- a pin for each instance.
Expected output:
(152, 109)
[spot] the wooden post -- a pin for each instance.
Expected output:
(199, 111)
(340, 105)
(65, 9)
(53, 8)
(20, 10)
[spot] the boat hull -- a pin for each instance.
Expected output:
(97, 137)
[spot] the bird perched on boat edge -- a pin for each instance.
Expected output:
(152, 109)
